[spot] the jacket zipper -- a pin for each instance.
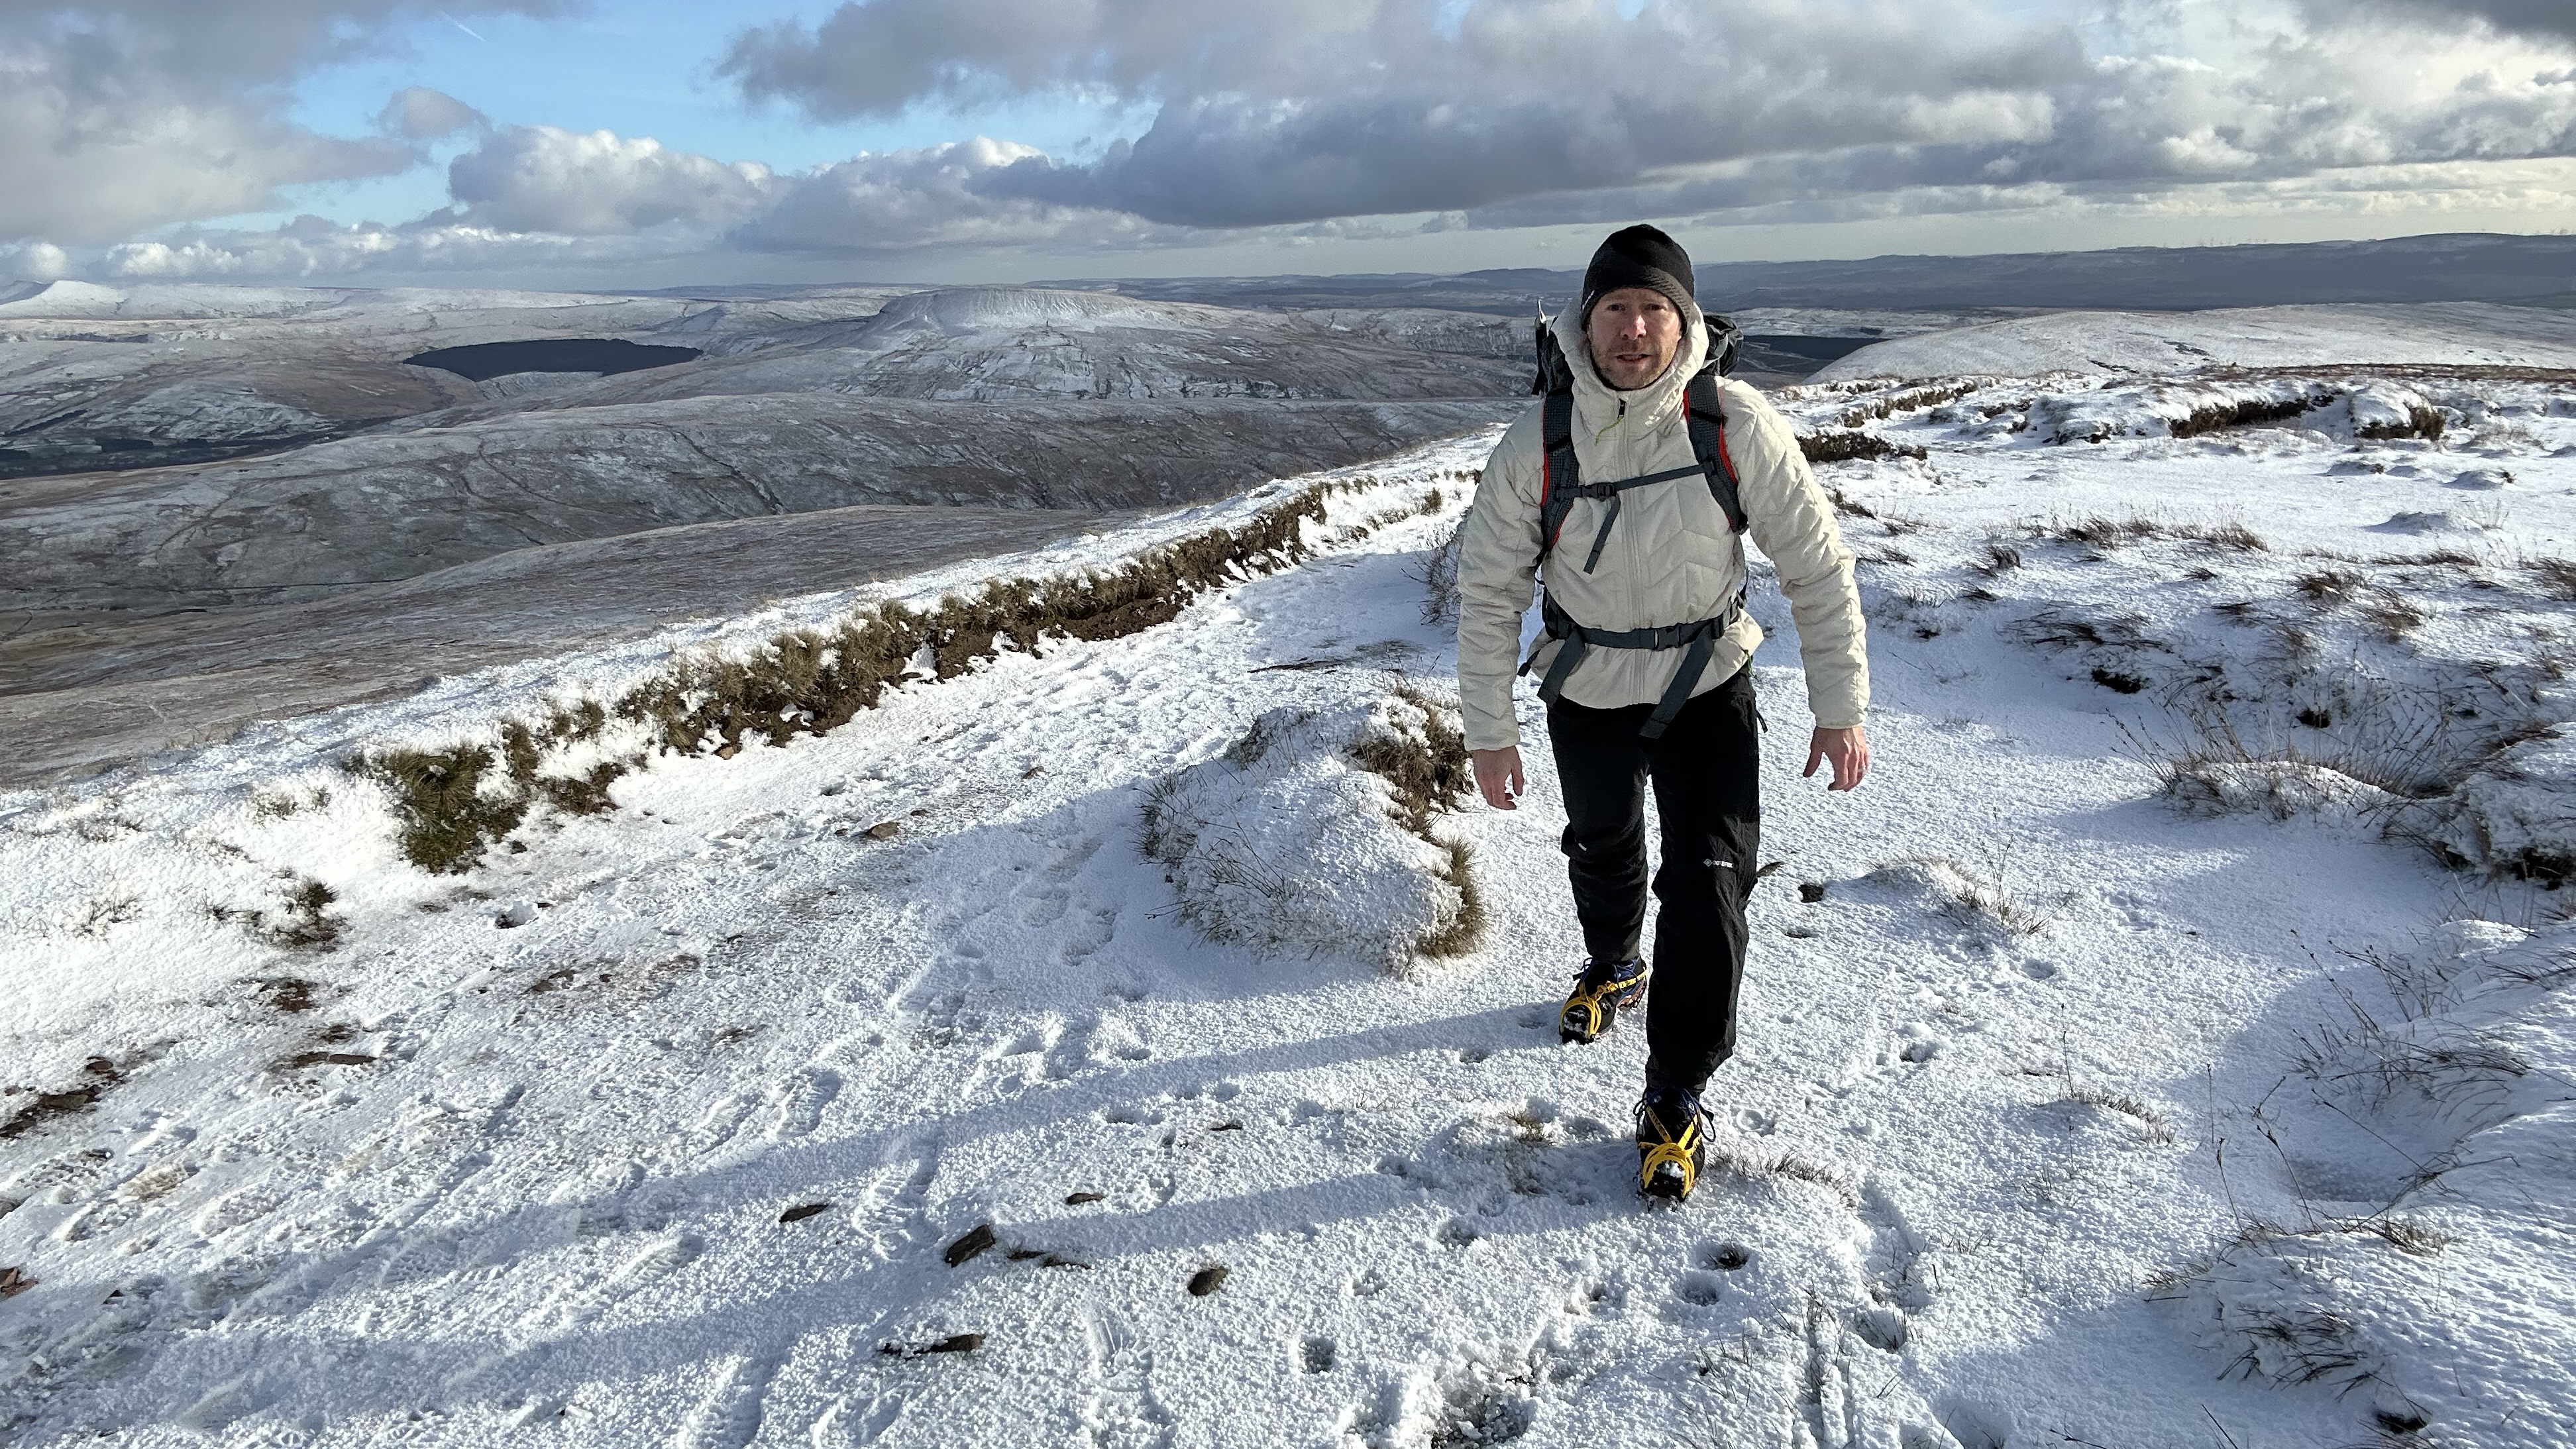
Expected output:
(1616, 419)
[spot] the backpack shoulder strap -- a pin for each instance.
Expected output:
(1708, 443)
(1561, 474)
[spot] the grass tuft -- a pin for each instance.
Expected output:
(2557, 578)
(454, 804)
(1463, 934)
(1845, 445)
(1429, 771)
(2250, 412)
(1906, 401)
(1999, 558)
(2420, 422)
(445, 816)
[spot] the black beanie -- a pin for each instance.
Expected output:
(1641, 256)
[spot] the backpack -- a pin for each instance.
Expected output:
(1564, 474)
(1563, 483)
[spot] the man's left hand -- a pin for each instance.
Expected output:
(1848, 749)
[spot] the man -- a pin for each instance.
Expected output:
(1645, 576)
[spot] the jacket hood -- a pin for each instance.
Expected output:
(1597, 401)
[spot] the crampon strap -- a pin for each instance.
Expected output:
(1674, 1151)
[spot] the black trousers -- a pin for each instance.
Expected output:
(1706, 770)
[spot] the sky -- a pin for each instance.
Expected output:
(559, 143)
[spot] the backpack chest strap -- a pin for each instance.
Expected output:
(1611, 491)
(1561, 472)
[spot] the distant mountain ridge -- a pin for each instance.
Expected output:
(2531, 271)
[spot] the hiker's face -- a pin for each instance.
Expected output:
(1634, 333)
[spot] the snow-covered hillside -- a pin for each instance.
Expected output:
(178, 463)
(2454, 333)
(2175, 1049)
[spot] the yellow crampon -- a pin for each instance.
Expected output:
(1600, 993)
(1587, 1012)
(1678, 1150)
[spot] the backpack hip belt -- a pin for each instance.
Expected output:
(1698, 640)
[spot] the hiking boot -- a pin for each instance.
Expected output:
(1669, 1126)
(1602, 990)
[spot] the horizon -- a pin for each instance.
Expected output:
(1105, 279)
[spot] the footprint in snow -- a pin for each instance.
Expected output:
(1093, 930)
(801, 1100)
(1699, 1288)
(890, 1214)
(1046, 907)
(241, 1206)
(1112, 1042)
(658, 1260)
(849, 1421)
(718, 1126)
(1120, 1408)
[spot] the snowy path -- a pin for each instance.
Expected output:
(512, 1164)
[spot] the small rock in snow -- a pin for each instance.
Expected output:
(954, 1343)
(1811, 891)
(803, 1211)
(14, 1281)
(1207, 1280)
(968, 1246)
(1077, 1199)
(515, 916)
(884, 830)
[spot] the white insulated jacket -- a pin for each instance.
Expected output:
(1671, 557)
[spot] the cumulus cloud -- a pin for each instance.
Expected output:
(537, 179)
(937, 196)
(116, 115)
(1532, 110)
(597, 183)
(311, 248)
(34, 261)
(417, 113)
(533, 197)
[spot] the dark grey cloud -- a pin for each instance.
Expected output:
(879, 59)
(121, 114)
(2527, 17)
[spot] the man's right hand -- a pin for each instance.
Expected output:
(1498, 776)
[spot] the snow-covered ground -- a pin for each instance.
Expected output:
(2138, 1077)
(2459, 333)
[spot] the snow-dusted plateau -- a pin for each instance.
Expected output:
(1036, 978)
